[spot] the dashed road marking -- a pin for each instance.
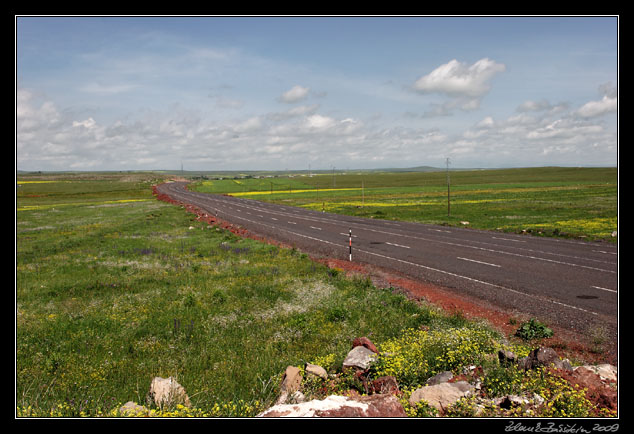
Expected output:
(509, 239)
(479, 262)
(397, 245)
(605, 289)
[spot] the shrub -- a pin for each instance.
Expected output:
(533, 329)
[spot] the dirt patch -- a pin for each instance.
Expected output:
(567, 343)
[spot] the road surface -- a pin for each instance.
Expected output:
(569, 283)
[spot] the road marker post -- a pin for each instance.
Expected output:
(350, 245)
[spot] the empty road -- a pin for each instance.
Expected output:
(569, 283)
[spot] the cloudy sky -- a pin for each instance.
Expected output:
(220, 93)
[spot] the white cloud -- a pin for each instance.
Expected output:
(465, 84)
(88, 123)
(597, 108)
(294, 94)
(52, 138)
(319, 121)
(31, 117)
(607, 104)
(487, 122)
(565, 129)
(252, 124)
(460, 79)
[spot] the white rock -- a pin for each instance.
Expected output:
(441, 395)
(132, 409)
(605, 371)
(308, 409)
(167, 391)
(316, 370)
(360, 357)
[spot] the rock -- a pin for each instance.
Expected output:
(387, 385)
(167, 392)
(359, 358)
(297, 398)
(132, 409)
(525, 363)
(316, 370)
(605, 371)
(442, 395)
(365, 342)
(442, 377)
(291, 381)
(510, 401)
(543, 357)
(599, 390)
(340, 406)
(506, 357)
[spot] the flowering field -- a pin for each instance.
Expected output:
(551, 201)
(114, 288)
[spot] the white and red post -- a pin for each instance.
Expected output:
(351, 245)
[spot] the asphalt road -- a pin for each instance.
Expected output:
(569, 283)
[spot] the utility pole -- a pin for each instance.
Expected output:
(448, 195)
(362, 195)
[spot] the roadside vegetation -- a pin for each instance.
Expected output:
(114, 288)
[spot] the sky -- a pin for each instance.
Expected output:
(292, 92)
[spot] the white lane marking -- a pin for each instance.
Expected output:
(508, 239)
(347, 235)
(495, 251)
(397, 245)
(607, 253)
(273, 218)
(605, 289)
(313, 227)
(476, 280)
(293, 223)
(440, 230)
(479, 262)
(425, 267)
(457, 244)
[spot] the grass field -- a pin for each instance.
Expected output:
(554, 201)
(114, 288)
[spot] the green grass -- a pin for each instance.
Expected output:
(113, 288)
(111, 294)
(552, 201)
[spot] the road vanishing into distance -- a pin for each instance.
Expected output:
(569, 283)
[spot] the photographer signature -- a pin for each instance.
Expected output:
(552, 427)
